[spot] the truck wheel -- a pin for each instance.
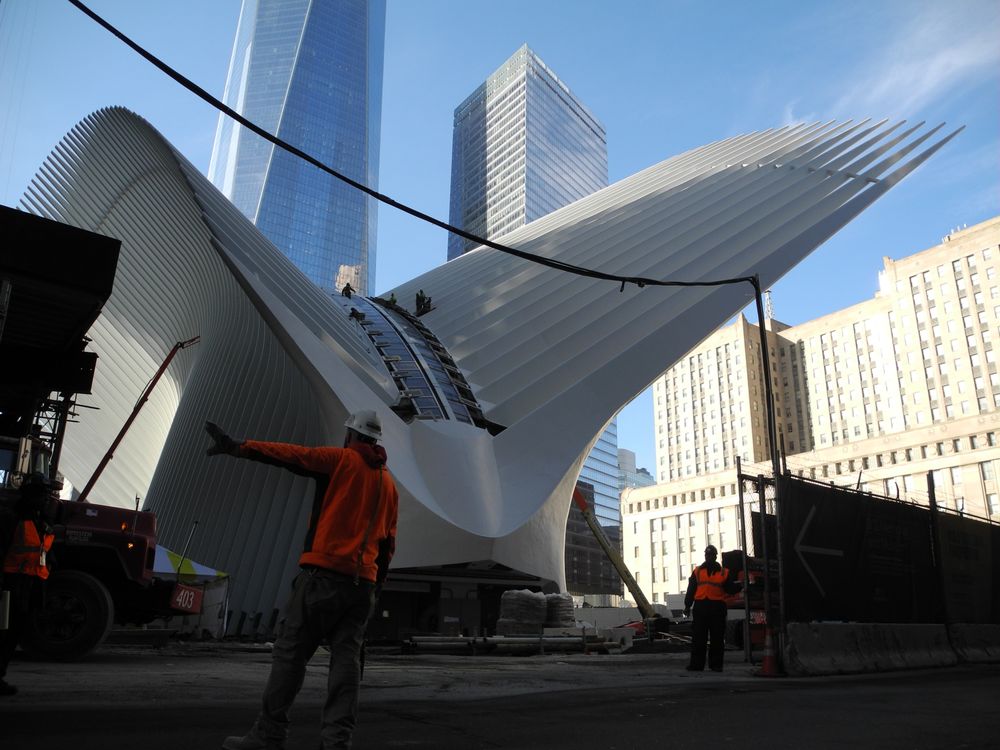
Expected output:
(76, 618)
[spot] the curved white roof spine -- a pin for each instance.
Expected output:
(549, 356)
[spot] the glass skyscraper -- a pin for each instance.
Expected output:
(310, 72)
(523, 146)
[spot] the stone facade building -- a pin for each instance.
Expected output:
(877, 395)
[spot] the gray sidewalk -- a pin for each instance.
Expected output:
(191, 696)
(185, 674)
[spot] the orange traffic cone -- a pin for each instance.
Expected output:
(769, 667)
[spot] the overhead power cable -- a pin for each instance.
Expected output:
(198, 91)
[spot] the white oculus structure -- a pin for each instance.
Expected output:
(485, 401)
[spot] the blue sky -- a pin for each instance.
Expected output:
(662, 76)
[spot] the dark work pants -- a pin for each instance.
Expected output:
(325, 608)
(22, 589)
(709, 628)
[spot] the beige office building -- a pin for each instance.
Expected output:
(877, 395)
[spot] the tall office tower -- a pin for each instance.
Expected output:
(877, 395)
(629, 476)
(523, 145)
(311, 73)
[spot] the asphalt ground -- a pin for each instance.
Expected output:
(192, 695)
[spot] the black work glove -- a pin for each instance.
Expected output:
(687, 611)
(222, 442)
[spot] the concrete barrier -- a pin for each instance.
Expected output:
(976, 643)
(842, 648)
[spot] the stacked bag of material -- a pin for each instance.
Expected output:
(559, 611)
(522, 612)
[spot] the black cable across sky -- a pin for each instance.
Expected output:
(198, 91)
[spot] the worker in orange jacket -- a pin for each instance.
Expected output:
(25, 542)
(348, 547)
(707, 588)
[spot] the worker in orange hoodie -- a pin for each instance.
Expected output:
(350, 541)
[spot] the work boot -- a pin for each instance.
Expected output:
(7, 689)
(252, 741)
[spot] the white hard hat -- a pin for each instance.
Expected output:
(365, 422)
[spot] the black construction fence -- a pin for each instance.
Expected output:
(842, 555)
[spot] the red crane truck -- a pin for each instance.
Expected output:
(54, 281)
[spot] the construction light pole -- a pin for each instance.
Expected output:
(772, 442)
(772, 433)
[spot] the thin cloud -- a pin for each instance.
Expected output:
(938, 51)
(789, 116)
(959, 167)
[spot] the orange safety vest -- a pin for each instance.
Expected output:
(27, 552)
(358, 510)
(710, 584)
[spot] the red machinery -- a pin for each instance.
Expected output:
(54, 282)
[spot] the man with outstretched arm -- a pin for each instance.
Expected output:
(350, 541)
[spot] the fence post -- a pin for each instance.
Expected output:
(935, 545)
(779, 501)
(747, 646)
(764, 550)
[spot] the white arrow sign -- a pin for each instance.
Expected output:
(800, 548)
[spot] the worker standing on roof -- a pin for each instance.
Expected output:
(347, 291)
(707, 588)
(350, 541)
(25, 540)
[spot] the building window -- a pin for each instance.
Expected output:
(986, 467)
